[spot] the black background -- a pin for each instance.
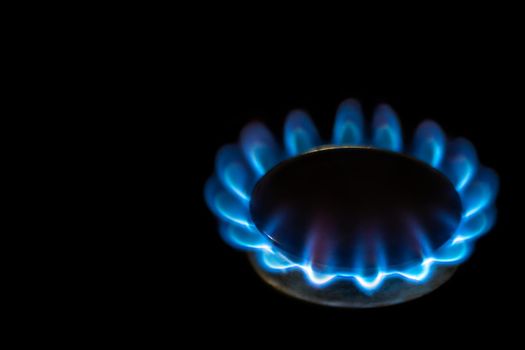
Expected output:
(208, 284)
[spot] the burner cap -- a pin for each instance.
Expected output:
(355, 209)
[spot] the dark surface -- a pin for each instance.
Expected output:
(337, 207)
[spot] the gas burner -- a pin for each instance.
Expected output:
(358, 222)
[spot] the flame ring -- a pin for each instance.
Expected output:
(238, 167)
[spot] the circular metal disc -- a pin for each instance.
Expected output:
(355, 209)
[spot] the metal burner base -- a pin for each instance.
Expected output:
(343, 293)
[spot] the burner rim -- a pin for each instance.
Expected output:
(345, 294)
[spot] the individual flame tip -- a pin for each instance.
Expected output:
(350, 102)
(384, 114)
(297, 115)
(384, 108)
(387, 132)
(463, 144)
(252, 127)
(300, 133)
(429, 124)
(225, 151)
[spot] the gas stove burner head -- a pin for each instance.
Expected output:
(356, 222)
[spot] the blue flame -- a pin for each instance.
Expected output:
(234, 172)
(461, 162)
(348, 126)
(480, 192)
(300, 134)
(245, 237)
(260, 148)
(238, 167)
(429, 143)
(225, 205)
(386, 129)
